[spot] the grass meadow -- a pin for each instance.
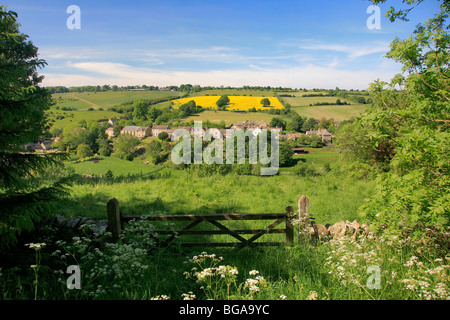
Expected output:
(367, 268)
(107, 99)
(60, 118)
(337, 112)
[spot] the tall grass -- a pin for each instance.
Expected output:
(336, 270)
(332, 197)
(408, 268)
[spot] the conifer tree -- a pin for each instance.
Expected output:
(24, 194)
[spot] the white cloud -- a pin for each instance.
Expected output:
(353, 51)
(309, 76)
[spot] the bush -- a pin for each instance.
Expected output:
(109, 175)
(305, 170)
(84, 151)
(163, 136)
(105, 151)
(243, 169)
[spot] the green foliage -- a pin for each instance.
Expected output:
(84, 151)
(223, 102)
(72, 136)
(190, 108)
(296, 124)
(265, 102)
(25, 196)
(305, 170)
(278, 122)
(125, 146)
(163, 136)
(140, 111)
(405, 135)
(285, 155)
(242, 169)
(103, 147)
(309, 124)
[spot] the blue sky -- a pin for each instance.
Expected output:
(297, 44)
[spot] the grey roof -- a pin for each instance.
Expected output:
(134, 128)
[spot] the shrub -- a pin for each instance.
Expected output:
(163, 136)
(305, 170)
(243, 169)
(84, 151)
(105, 151)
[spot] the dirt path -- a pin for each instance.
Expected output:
(92, 105)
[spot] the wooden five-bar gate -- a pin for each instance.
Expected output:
(117, 221)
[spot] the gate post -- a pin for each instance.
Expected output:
(303, 218)
(289, 226)
(114, 221)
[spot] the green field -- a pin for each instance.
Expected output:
(108, 99)
(302, 105)
(118, 166)
(338, 113)
(234, 92)
(78, 115)
(306, 101)
(332, 199)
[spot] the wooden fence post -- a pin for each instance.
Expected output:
(303, 217)
(114, 221)
(289, 226)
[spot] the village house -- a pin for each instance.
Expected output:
(246, 125)
(110, 132)
(198, 131)
(256, 127)
(292, 136)
(157, 129)
(323, 133)
(38, 147)
(170, 132)
(33, 147)
(112, 121)
(215, 133)
(185, 128)
(138, 132)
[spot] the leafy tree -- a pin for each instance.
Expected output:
(309, 124)
(286, 155)
(223, 102)
(154, 113)
(25, 196)
(140, 111)
(163, 136)
(125, 146)
(265, 102)
(72, 136)
(55, 132)
(189, 108)
(278, 123)
(407, 130)
(117, 130)
(296, 124)
(105, 151)
(84, 151)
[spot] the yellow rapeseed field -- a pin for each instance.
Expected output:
(236, 102)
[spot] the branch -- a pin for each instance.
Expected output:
(440, 73)
(436, 120)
